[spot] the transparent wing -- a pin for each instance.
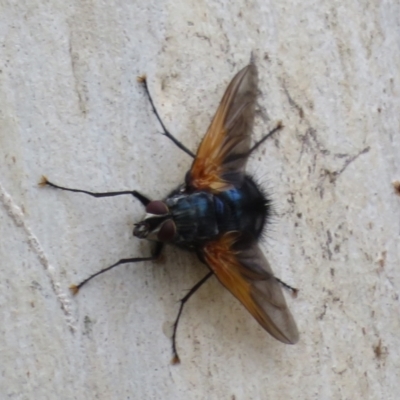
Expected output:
(221, 158)
(246, 273)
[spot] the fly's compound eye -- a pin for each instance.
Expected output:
(157, 207)
(167, 231)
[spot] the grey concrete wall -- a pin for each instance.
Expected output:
(70, 108)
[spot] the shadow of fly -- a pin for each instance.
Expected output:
(219, 212)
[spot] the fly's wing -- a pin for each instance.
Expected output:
(221, 158)
(247, 274)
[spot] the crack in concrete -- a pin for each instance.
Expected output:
(17, 215)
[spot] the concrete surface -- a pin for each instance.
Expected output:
(70, 108)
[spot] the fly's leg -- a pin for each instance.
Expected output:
(288, 287)
(142, 80)
(143, 199)
(175, 357)
(156, 254)
(278, 127)
(234, 157)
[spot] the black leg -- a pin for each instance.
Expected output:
(157, 251)
(143, 199)
(142, 79)
(175, 358)
(278, 127)
(288, 287)
(234, 157)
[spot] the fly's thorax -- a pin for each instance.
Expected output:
(158, 223)
(194, 216)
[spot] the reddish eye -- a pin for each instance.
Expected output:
(157, 207)
(167, 231)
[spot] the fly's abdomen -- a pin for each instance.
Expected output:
(228, 210)
(244, 210)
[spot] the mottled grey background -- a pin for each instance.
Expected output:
(70, 108)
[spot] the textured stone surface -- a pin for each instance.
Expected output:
(70, 108)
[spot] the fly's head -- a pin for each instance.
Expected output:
(157, 224)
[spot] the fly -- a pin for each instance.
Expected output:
(219, 213)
